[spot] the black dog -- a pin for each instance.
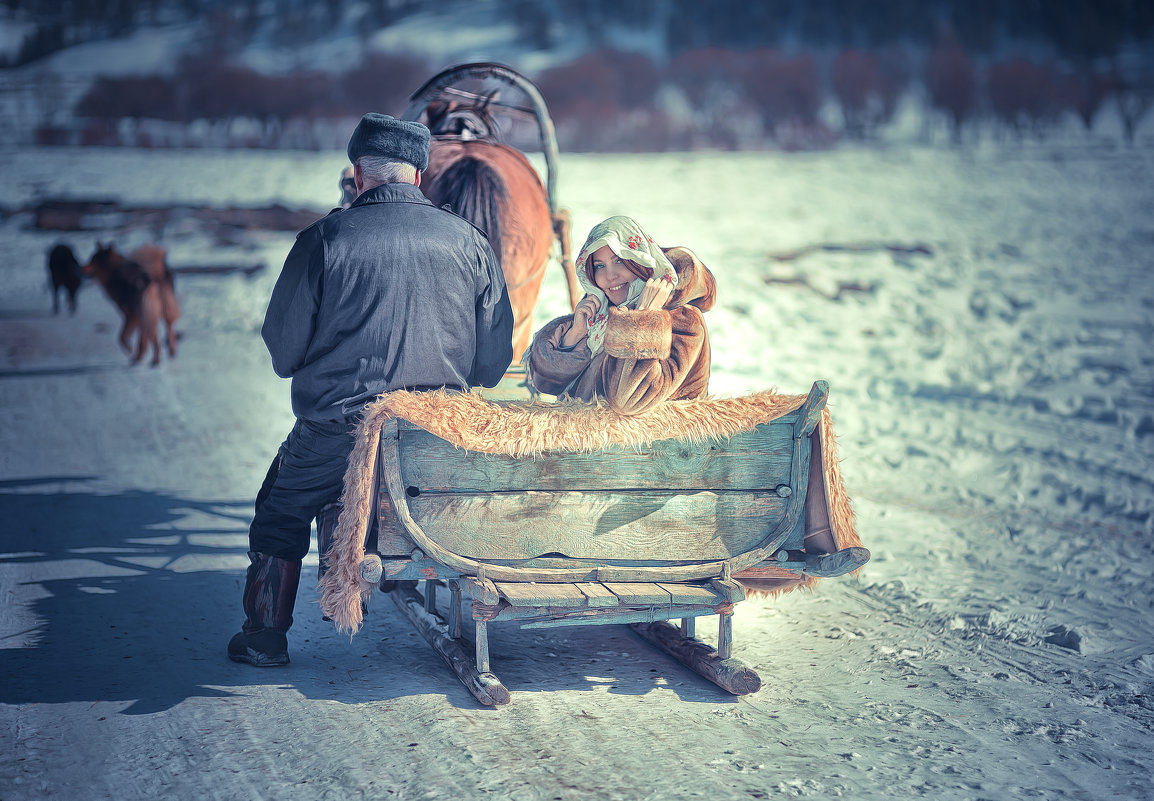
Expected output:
(65, 272)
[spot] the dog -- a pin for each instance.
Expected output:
(65, 273)
(142, 287)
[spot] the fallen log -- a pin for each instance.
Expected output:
(834, 293)
(853, 247)
(98, 214)
(210, 269)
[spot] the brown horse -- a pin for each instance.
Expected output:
(154, 259)
(494, 187)
(143, 290)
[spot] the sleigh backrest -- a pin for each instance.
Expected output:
(668, 503)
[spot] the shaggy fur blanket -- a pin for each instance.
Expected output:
(523, 429)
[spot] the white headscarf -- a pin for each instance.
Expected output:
(629, 241)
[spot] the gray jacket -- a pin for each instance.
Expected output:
(391, 293)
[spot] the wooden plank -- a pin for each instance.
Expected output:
(691, 594)
(810, 412)
(586, 617)
(392, 539)
(634, 526)
(596, 594)
(640, 594)
(725, 635)
(530, 594)
(772, 570)
(391, 479)
(408, 570)
(758, 459)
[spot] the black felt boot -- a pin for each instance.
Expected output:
(270, 592)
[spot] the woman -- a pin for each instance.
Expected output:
(638, 337)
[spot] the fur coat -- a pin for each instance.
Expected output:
(649, 355)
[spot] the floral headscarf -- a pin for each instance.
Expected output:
(629, 241)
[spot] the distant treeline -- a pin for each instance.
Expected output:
(611, 100)
(1077, 31)
(723, 74)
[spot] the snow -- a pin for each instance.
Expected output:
(12, 36)
(994, 402)
(145, 51)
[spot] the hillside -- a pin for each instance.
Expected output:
(664, 75)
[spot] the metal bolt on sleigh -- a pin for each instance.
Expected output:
(471, 510)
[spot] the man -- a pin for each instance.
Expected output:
(390, 293)
(348, 186)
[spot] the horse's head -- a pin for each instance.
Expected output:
(472, 120)
(103, 260)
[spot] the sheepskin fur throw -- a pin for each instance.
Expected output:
(523, 429)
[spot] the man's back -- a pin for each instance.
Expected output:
(391, 293)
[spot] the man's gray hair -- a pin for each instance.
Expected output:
(377, 170)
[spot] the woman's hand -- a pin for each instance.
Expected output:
(581, 317)
(654, 294)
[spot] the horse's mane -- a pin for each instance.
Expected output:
(475, 191)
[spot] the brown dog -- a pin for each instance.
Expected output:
(142, 288)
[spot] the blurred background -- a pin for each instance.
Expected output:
(618, 75)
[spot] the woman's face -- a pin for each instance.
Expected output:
(611, 275)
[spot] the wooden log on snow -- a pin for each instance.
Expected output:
(251, 268)
(485, 687)
(104, 214)
(917, 249)
(730, 674)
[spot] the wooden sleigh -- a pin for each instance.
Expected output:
(560, 515)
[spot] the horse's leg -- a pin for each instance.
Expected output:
(135, 327)
(150, 321)
(73, 286)
(126, 331)
(171, 314)
(148, 339)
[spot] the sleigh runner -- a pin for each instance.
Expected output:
(569, 514)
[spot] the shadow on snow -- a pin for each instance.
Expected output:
(132, 598)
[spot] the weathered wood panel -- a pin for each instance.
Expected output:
(759, 459)
(641, 594)
(392, 539)
(643, 525)
(531, 594)
(692, 594)
(596, 595)
(552, 617)
(101, 214)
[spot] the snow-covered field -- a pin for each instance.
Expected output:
(992, 382)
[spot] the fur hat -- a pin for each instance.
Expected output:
(387, 137)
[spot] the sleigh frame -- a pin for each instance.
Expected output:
(668, 530)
